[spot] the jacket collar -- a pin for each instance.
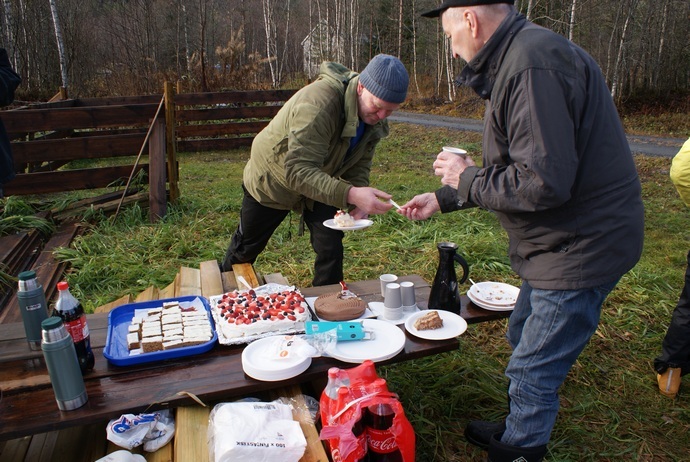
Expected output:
(480, 73)
(351, 109)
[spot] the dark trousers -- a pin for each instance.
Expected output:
(675, 349)
(258, 223)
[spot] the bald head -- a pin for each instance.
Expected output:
(470, 27)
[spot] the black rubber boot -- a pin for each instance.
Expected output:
(479, 432)
(500, 452)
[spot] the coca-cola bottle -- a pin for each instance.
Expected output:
(381, 443)
(72, 314)
(363, 375)
(358, 428)
(329, 396)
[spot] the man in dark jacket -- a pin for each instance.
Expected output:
(558, 173)
(9, 81)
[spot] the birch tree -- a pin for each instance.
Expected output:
(621, 48)
(60, 42)
(571, 27)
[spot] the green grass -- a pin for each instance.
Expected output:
(610, 407)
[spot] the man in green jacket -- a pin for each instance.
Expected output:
(314, 158)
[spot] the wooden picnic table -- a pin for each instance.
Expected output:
(28, 404)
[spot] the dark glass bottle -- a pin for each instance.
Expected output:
(74, 318)
(444, 291)
(381, 445)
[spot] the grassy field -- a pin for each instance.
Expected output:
(610, 407)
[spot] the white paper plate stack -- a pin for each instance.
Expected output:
(258, 365)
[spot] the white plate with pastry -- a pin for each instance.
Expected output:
(359, 224)
(453, 325)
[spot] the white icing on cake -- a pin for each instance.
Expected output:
(343, 219)
(241, 316)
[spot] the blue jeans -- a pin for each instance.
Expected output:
(548, 330)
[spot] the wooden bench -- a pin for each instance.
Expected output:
(89, 443)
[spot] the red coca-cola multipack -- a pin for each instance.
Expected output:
(362, 421)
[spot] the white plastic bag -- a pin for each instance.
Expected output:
(256, 432)
(153, 430)
(122, 456)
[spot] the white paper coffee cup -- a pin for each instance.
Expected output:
(458, 151)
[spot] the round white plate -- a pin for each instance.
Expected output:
(486, 306)
(257, 366)
(388, 341)
(453, 325)
(494, 293)
(359, 224)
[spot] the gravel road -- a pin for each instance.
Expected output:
(646, 145)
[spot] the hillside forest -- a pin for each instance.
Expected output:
(128, 47)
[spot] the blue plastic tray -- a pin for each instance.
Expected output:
(116, 350)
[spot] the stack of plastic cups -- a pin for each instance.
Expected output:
(392, 302)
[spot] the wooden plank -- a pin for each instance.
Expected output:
(164, 454)
(158, 200)
(42, 446)
(247, 271)
(219, 144)
(225, 113)
(48, 270)
(315, 451)
(114, 304)
(150, 293)
(37, 120)
(66, 149)
(230, 97)
(169, 291)
(276, 278)
(69, 180)
(15, 450)
(211, 282)
(80, 444)
(221, 129)
(170, 148)
(118, 100)
(109, 207)
(229, 282)
(191, 426)
(189, 282)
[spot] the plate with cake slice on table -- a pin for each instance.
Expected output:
(435, 325)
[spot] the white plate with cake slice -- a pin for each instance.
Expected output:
(359, 224)
(453, 326)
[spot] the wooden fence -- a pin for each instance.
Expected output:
(51, 141)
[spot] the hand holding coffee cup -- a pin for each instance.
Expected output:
(457, 151)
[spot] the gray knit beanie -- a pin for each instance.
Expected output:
(386, 78)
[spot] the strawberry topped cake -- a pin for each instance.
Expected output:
(240, 315)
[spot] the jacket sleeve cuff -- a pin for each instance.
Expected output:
(451, 199)
(447, 199)
(465, 187)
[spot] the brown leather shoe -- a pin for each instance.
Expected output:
(669, 382)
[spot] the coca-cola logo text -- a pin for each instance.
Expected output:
(381, 442)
